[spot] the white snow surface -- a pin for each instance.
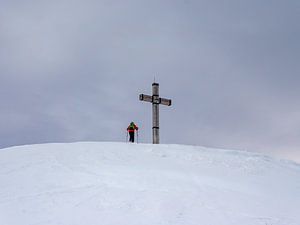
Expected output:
(144, 184)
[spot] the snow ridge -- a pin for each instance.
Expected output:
(121, 183)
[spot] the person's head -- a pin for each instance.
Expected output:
(132, 123)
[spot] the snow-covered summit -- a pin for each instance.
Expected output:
(144, 184)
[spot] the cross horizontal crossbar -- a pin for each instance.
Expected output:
(155, 100)
(165, 101)
(146, 98)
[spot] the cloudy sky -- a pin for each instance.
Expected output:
(73, 70)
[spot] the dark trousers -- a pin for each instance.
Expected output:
(131, 136)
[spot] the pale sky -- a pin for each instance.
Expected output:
(73, 71)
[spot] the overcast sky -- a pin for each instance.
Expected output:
(73, 71)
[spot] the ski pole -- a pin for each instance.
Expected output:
(126, 136)
(137, 136)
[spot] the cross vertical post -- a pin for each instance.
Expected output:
(155, 113)
(156, 101)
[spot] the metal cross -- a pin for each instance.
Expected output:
(156, 101)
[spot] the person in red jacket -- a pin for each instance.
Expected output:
(131, 128)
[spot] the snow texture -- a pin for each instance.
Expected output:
(144, 184)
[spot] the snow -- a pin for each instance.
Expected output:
(143, 184)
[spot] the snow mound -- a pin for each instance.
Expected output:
(130, 184)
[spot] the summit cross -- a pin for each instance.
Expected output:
(156, 101)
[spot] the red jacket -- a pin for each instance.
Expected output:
(131, 129)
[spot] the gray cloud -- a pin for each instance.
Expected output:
(72, 71)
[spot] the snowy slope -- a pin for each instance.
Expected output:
(129, 184)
